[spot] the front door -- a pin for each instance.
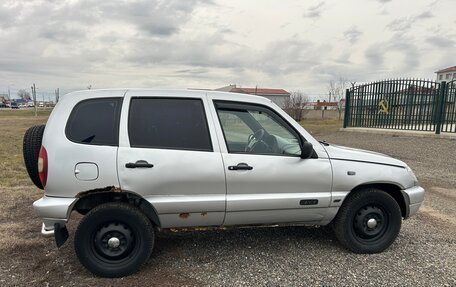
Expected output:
(267, 181)
(169, 158)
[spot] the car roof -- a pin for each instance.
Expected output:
(139, 92)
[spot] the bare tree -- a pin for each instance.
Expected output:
(294, 105)
(23, 94)
(336, 90)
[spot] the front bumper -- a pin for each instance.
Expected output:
(413, 197)
(53, 210)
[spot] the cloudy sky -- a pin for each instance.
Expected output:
(291, 44)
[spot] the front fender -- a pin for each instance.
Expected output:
(348, 174)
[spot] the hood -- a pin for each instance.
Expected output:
(346, 153)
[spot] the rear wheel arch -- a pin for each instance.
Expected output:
(90, 200)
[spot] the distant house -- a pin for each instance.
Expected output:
(324, 105)
(447, 74)
(278, 96)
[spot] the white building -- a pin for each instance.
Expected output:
(278, 96)
(446, 75)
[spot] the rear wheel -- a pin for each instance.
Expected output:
(368, 221)
(114, 240)
(31, 149)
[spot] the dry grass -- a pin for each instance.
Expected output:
(13, 124)
(321, 127)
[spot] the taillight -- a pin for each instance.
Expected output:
(43, 166)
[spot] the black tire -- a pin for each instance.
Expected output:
(351, 223)
(123, 222)
(31, 149)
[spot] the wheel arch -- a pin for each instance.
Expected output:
(90, 199)
(394, 190)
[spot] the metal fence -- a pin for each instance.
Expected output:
(403, 104)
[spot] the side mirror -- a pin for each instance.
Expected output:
(306, 150)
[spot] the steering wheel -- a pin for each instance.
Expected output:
(255, 140)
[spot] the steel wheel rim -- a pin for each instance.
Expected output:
(109, 233)
(370, 223)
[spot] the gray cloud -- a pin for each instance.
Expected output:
(153, 17)
(424, 15)
(375, 54)
(314, 11)
(8, 16)
(401, 24)
(405, 23)
(352, 34)
(441, 41)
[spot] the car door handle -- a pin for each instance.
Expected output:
(240, 166)
(139, 163)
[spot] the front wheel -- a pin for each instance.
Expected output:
(114, 240)
(368, 221)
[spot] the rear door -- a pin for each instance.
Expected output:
(168, 154)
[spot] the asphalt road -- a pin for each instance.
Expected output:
(424, 254)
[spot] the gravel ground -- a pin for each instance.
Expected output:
(424, 254)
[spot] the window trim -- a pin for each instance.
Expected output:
(259, 107)
(170, 148)
(117, 115)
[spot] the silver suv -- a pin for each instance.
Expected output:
(134, 162)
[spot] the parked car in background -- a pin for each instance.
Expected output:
(41, 105)
(14, 105)
(2, 105)
(30, 104)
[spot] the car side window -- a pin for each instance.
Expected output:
(95, 122)
(256, 130)
(168, 123)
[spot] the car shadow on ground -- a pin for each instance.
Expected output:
(239, 240)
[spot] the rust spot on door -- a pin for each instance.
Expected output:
(184, 215)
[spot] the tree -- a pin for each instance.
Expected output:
(24, 95)
(294, 105)
(336, 90)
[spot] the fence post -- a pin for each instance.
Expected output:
(440, 107)
(347, 108)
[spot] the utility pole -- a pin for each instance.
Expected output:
(57, 95)
(34, 99)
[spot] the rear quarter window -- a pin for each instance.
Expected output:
(95, 122)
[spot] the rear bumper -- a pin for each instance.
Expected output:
(53, 210)
(413, 197)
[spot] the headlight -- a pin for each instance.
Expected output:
(410, 171)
